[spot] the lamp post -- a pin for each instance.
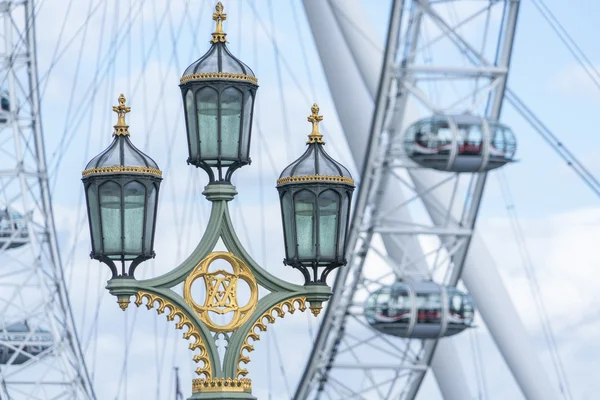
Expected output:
(121, 186)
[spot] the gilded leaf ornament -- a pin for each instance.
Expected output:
(192, 332)
(243, 385)
(261, 325)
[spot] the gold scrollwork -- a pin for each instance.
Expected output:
(315, 178)
(221, 291)
(243, 385)
(122, 169)
(218, 75)
(262, 327)
(192, 331)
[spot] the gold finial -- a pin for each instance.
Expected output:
(219, 16)
(123, 303)
(316, 310)
(315, 136)
(121, 110)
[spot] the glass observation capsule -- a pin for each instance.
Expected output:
(4, 106)
(121, 187)
(419, 309)
(218, 96)
(13, 335)
(459, 143)
(13, 230)
(315, 192)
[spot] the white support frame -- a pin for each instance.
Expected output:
(340, 334)
(31, 277)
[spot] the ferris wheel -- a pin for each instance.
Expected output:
(419, 119)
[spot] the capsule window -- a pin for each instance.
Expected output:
(470, 138)
(429, 306)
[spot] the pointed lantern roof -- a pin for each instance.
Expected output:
(315, 165)
(218, 62)
(121, 156)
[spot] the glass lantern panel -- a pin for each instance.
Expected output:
(343, 224)
(229, 64)
(112, 156)
(305, 210)
(231, 113)
(288, 225)
(327, 166)
(131, 157)
(192, 126)
(134, 201)
(329, 206)
(207, 103)
(110, 215)
(150, 217)
(247, 119)
(307, 165)
(210, 62)
(94, 213)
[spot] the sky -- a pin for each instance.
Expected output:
(142, 51)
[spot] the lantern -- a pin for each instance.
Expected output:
(218, 96)
(121, 187)
(315, 193)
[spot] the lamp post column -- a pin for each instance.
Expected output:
(121, 186)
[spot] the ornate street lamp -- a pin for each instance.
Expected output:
(121, 188)
(315, 192)
(218, 96)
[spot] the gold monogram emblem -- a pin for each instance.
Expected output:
(221, 288)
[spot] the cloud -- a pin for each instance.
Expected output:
(575, 80)
(559, 245)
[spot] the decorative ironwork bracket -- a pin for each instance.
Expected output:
(216, 378)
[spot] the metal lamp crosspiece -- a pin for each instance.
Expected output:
(221, 289)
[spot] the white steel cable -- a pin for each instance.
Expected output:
(534, 285)
(589, 68)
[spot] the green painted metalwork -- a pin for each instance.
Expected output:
(219, 226)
